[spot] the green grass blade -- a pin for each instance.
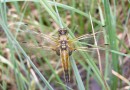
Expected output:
(77, 75)
(75, 10)
(18, 46)
(15, 43)
(111, 29)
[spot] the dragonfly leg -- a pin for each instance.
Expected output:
(57, 50)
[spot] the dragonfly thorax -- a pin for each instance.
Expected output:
(63, 45)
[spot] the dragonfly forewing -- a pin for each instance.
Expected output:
(86, 42)
(37, 40)
(86, 36)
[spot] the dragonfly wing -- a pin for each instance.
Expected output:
(88, 43)
(32, 46)
(32, 39)
(87, 36)
(36, 42)
(21, 30)
(90, 49)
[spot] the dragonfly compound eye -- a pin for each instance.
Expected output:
(62, 32)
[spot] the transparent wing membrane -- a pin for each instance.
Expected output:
(22, 28)
(86, 36)
(32, 39)
(43, 41)
(47, 37)
(90, 47)
(42, 47)
(86, 42)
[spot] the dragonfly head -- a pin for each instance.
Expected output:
(62, 31)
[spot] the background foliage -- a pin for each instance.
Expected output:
(23, 67)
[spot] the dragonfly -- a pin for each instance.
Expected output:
(63, 46)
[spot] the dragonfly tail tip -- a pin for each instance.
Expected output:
(67, 77)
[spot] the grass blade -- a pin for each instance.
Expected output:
(111, 29)
(77, 75)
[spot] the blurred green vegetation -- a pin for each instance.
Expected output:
(27, 67)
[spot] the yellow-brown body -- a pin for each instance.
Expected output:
(64, 50)
(65, 64)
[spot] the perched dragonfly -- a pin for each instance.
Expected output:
(63, 46)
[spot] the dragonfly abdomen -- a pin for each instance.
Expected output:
(65, 64)
(67, 76)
